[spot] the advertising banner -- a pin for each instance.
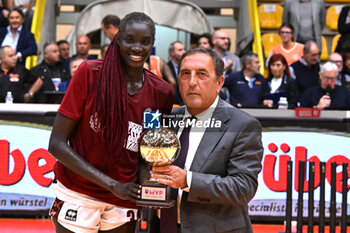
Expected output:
(26, 167)
(296, 145)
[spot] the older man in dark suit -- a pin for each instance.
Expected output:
(18, 37)
(217, 169)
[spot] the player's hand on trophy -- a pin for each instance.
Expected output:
(127, 191)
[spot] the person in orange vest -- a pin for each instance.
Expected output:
(290, 49)
(158, 66)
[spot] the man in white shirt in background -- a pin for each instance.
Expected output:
(17, 36)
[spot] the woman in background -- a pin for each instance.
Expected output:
(280, 84)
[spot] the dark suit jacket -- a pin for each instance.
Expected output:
(224, 174)
(340, 97)
(26, 42)
(178, 99)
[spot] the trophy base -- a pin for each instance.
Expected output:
(155, 204)
(155, 195)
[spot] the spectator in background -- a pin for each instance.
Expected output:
(337, 59)
(64, 49)
(280, 84)
(83, 45)
(4, 12)
(220, 41)
(18, 37)
(14, 77)
(306, 70)
(74, 65)
(308, 18)
(346, 68)
(176, 50)
(291, 50)
(110, 25)
(343, 27)
(246, 87)
(204, 41)
(51, 71)
(27, 8)
(327, 95)
(159, 67)
(103, 50)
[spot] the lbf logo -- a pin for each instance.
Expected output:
(151, 120)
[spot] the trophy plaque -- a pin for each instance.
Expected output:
(157, 146)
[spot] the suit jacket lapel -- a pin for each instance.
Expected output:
(210, 139)
(20, 39)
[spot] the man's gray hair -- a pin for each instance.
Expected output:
(172, 45)
(328, 66)
(308, 44)
(248, 59)
(2, 50)
(218, 62)
(48, 44)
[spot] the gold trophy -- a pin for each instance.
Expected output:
(157, 146)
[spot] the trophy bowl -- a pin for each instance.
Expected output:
(158, 147)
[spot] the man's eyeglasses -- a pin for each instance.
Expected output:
(329, 78)
(337, 61)
(287, 33)
(223, 38)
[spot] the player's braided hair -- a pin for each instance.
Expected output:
(111, 103)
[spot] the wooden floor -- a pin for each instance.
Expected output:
(45, 226)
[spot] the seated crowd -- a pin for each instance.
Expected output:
(305, 83)
(294, 71)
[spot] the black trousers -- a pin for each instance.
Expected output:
(155, 226)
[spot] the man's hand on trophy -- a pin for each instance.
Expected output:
(170, 175)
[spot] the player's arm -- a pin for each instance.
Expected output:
(164, 68)
(60, 149)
